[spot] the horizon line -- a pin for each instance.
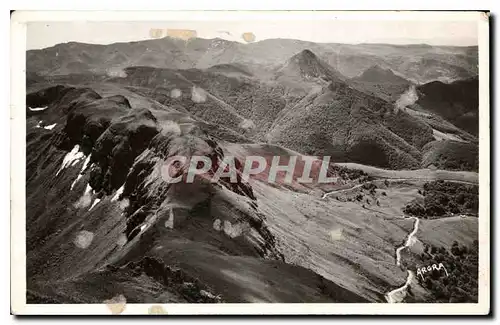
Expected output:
(249, 43)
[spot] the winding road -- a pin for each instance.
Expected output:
(342, 190)
(391, 180)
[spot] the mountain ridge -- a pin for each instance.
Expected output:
(379, 74)
(349, 59)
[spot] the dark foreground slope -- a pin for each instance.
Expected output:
(102, 222)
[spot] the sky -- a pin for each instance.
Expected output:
(433, 32)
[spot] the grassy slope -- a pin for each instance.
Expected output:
(382, 83)
(443, 231)
(339, 239)
(456, 102)
(423, 174)
(347, 125)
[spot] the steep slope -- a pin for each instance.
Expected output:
(430, 68)
(352, 233)
(104, 120)
(350, 125)
(457, 102)
(178, 88)
(451, 155)
(378, 74)
(76, 57)
(101, 220)
(232, 69)
(383, 83)
(244, 105)
(304, 68)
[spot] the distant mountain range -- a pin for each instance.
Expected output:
(254, 92)
(379, 75)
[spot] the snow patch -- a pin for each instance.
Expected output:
(118, 193)
(38, 109)
(50, 127)
(148, 223)
(71, 158)
(83, 239)
(169, 224)
(75, 181)
(80, 175)
(96, 201)
(85, 199)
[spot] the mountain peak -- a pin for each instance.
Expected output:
(377, 68)
(307, 65)
(307, 53)
(306, 57)
(376, 73)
